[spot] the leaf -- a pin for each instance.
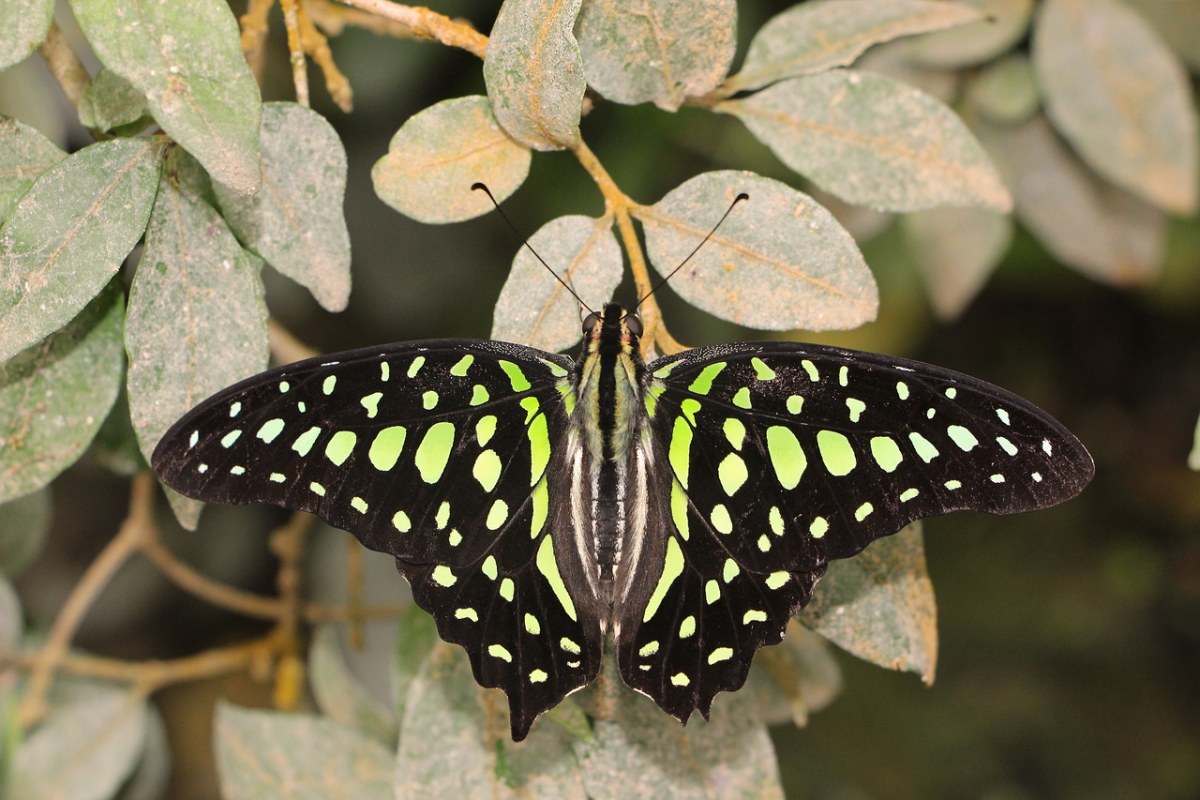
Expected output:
(54, 396)
(197, 321)
(654, 52)
(454, 741)
(1194, 456)
(818, 36)
(879, 605)
(416, 636)
(152, 775)
(1120, 97)
(1105, 233)
(437, 155)
(1001, 24)
(186, 58)
(537, 310)
(1178, 23)
(956, 250)
(24, 523)
(25, 24)
(873, 141)
(24, 155)
(779, 261)
(339, 694)
(69, 234)
(636, 751)
(295, 221)
(84, 749)
(111, 102)
(267, 754)
(12, 624)
(797, 677)
(1005, 92)
(115, 447)
(534, 72)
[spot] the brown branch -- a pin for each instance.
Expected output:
(284, 346)
(317, 46)
(426, 24)
(64, 65)
(354, 590)
(203, 587)
(254, 34)
(288, 543)
(295, 50)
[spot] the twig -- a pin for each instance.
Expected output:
(288, 544)
(254, 34)
(217, 594)
(64, 65)
(427, 24)
(295, 50)
(316, 45)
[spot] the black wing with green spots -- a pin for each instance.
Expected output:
(780, 457)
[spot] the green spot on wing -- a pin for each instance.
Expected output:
(680, 452)
(463, 364)
(836, 452)
(741, 398)
(340, 446)
(886, 453)
(386, 447)
(761, 370)
(787, 457)
(962, 437)
(305, 441)
(547, 565)
(672, 569)
(371, 404)
(270, 429)
(487, 469)
(539, 448)
(516, 376)
(434, 451)
(704, 381)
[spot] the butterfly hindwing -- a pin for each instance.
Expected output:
(438, 453)
(775, 458)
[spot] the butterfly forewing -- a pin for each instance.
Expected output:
(440, 453)
(776, 458)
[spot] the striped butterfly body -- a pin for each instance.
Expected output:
(683, 509)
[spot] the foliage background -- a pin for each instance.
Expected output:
(1070, 662)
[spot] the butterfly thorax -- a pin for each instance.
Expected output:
(606, 480)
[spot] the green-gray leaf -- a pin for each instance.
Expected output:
(54, 396)
(794, 679)
(956, 250)
(1002, 24)
(873, 141)
(11, 620)
(1101, 230)
(24, 23)
(1005, 92)
(1178, 23)
(186, 58)
(69, 234)
(24, 523)
(153, 772)
(439, 153)
(534, 72)
(264, 754)
(1194, 456)
(340, 695)
(779, 261)
(879, 605)
(659, 53)
(537, 310)
(24, 155)
(197, 320)
(1121, 97)
(416, 635)
(295, 221)
(815, 37)
(84, 749)
(110, 102)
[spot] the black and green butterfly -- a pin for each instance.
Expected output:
(685, 508)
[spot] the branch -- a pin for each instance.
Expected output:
(64, 65)
(426, 24)
(291, 24)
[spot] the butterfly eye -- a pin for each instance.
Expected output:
(634, 323)
(590, 321)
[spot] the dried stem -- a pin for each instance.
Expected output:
(426, 24)
(291, 24)
(254, 34)
(317, 46)
(217, 594)
(64, 65)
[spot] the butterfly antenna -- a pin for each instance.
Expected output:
(566, 285)
(742, 196)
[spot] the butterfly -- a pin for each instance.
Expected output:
(683, 509)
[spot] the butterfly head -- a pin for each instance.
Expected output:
(613, 328)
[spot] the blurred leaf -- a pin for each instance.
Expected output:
(440, 152)
(814, 37)
(860, 222)
(416, 636)
(454, 740)
(339, 694)
(892, 60)
(24, 523)
(872, 141)
(110, 102)
(264, 754)
(1194, 456)
(534, 72)
(69, 234)
(84, 749)
(25, 24)
(24, 155)
(1005, 92)
(54, 396)
(637, 751)
(153, 772)
(1104, 232)
(656, 52)
(197, 321)
(295, 222)
(1120, 97)
(12, 624)
(1177, 22)
(879, 605)
(779, 261)
(537, 310)
(186, 58)
(1002, 24)
(956, 250)
(116, 447)
(794, 678)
